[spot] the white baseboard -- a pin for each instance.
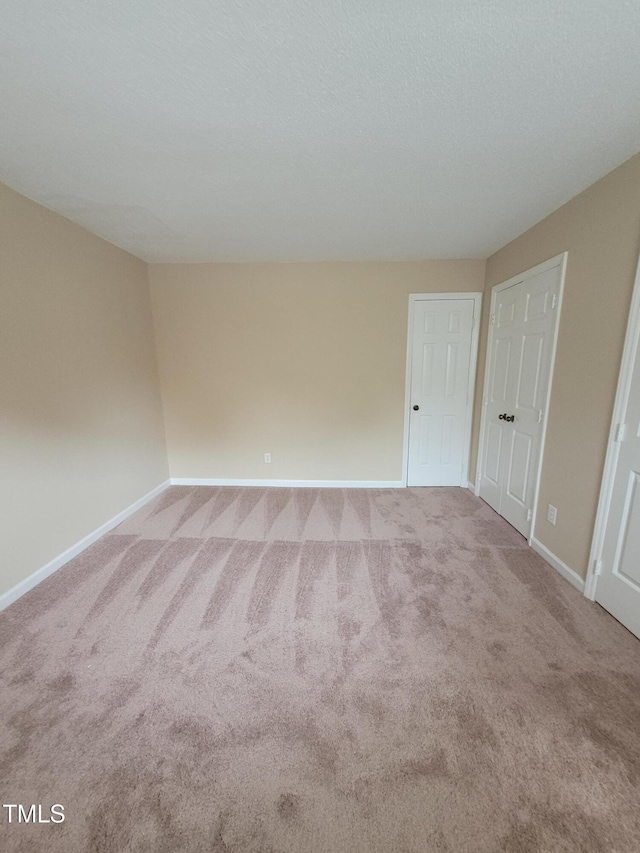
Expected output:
(562, 568)
(40, 574)
(295, 484)
(472, 487)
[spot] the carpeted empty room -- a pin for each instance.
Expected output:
(319, 426)
(248, 669)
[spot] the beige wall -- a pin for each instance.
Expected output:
(305, 361)
(81, 433)
(600, 229)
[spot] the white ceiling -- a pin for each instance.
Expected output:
(197, 130)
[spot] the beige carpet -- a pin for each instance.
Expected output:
(335, 670)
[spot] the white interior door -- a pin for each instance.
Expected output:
(440, 394)
(618, 586)
(521, 343)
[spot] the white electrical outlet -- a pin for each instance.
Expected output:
(267, 457)
(552, 514)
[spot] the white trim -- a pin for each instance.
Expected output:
(476, 296)
(561, 261)
(52, 566)
(547, 403)
(291, 484)
(472, 487)
(562, 568)
(629, 354)
(407, 388)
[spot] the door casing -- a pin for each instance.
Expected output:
(475, 332)
(629, 354)
(557, 260)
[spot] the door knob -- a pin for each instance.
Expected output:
(415, 408)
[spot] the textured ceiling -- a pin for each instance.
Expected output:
(195, 130)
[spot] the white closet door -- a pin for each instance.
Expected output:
(618, 586)
(439, 391)
(501, 383)
(521, 345)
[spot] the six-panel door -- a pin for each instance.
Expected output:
(439, 399)
(522, 334)
(618, 589)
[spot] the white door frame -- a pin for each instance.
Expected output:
(477, 304)
(629, 353)
(561, 261)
